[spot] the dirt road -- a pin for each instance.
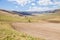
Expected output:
(49, 31)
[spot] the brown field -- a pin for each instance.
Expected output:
(49, 31)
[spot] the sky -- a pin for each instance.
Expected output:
(30, 5)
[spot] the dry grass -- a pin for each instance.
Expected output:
(8, 33)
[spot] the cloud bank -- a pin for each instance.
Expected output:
(48, 4)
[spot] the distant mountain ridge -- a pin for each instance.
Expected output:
(31, 13)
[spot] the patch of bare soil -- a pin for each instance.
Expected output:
(49, 31)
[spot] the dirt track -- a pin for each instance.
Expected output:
(49, 31)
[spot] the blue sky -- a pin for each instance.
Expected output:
(30, 5)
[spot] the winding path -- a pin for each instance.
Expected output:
(49, 31)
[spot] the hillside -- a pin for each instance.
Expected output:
(7, 18)
(17, 16)
(6, 29)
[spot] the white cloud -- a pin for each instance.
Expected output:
(16, 6)
(21, 2)
(40, 2)
(33, 3)
(48, 2)
(45, 2)
(38, 9)
(57, 3)
(41, 8)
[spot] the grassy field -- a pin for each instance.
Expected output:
(8, 33)
(6, 30)
(53, 18)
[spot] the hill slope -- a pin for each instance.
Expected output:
(6, 30)
(7, 18)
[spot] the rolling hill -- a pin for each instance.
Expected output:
(48, 16)
(8, 17)
(6, 29)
